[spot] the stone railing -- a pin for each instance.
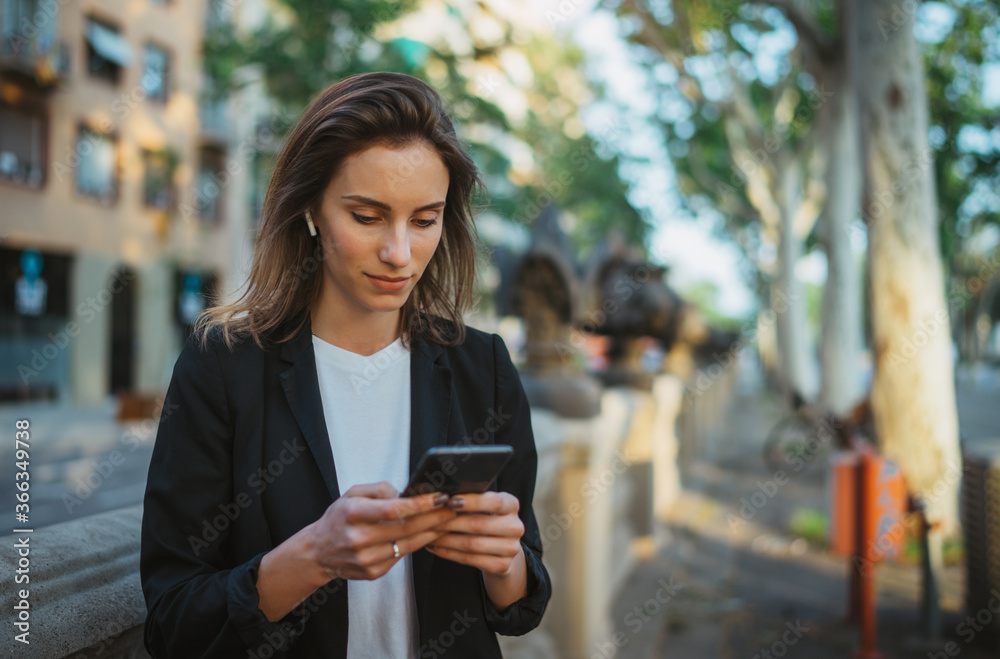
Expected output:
(83, 594)
(602, 482)
(704, 405)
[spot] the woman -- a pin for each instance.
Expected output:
(271, 524)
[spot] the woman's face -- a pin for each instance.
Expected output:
(380, 219)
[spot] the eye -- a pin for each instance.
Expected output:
(426, 223)
(364, 219)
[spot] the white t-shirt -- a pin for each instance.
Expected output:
(366, 402)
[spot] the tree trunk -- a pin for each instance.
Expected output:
(841, 327)
(788, 301)
(913, 393)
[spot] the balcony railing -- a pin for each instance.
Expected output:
(29, 45)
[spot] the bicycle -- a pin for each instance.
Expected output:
(809, 434)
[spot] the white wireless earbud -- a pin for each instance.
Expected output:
(309, 221)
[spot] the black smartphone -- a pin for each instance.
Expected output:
(458, 469)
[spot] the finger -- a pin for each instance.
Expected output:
(382, 550)
(485, 562)
(509, 526)
(403, 507)
(478, 544)
(380, 490)
(376, 560)
(496, 503)
(394, 509)
(389, 531)
(412, 543)
(371, 571)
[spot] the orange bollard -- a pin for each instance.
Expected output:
(868, 483)
(867, 503)
(843, 503)
(844, 470)
(882, 504)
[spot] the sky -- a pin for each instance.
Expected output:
(683, 242)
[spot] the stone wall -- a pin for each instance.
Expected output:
(84, 598)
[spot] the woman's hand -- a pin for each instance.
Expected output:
(353, 539)
(487, 534)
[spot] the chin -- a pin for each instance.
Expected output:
(387, 305)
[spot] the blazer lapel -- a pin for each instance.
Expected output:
(301, 386)
(430, 398)
(430, 412)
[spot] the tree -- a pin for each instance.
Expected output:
(913, 394)
(827, 59)
(742, 138)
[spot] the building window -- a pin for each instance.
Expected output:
(96, 173)
(158, 178)
(195, 291)
(35, 304)
(210, 185)
(218, 15)
(22, 145)
(107, 51)
(16, 15)
(156, 68)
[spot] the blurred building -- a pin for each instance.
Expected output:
(127, 194)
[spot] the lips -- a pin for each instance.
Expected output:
(389, 285)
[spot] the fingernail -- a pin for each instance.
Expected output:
(456, 502)
(440, 500)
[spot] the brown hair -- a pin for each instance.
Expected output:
(350, 116)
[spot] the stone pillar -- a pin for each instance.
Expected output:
(155, 326)
(668, 392)
(90, 309)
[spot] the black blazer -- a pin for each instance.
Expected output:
(242, 461)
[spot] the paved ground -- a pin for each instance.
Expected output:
(753, 589)
(81, 462)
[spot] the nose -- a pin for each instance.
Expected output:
(395, 247)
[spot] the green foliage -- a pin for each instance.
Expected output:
(305, 46)
(308, 44)
(704, 295)
(810, 525)
(953, 552)
(585, 183)
(701, 57)
(954, 87)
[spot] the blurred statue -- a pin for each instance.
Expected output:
(543, 288)
(629, 301)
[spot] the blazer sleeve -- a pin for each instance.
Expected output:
(518, 478)
(198, 603)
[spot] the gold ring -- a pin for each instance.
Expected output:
(395, 549)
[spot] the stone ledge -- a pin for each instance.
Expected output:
(84, 593)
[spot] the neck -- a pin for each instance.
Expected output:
(364, 335)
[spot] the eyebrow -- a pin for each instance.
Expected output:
(387, 207)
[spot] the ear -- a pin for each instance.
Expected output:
(309, 223)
